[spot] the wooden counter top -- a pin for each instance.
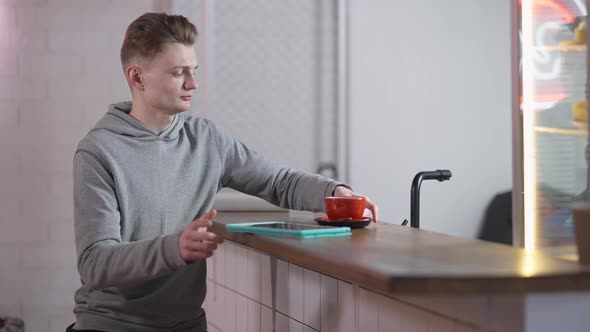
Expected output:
(390, 258)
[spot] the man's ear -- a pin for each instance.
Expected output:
(134, 77)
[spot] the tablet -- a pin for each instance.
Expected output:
(288, 229)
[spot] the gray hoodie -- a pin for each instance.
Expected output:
(135, 190)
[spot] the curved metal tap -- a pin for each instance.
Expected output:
(440, 175)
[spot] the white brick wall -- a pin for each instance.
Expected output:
(59, 69)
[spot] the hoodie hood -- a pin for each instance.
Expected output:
(117, 120)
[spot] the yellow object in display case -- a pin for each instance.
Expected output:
(579, 36)
(580, 114)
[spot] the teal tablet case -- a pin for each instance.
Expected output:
(317, 231)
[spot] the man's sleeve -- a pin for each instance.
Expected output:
(247, 171)
(103, 259)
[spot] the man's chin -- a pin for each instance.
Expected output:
(180, 109)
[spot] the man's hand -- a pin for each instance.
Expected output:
(345, 192)
(195, 242)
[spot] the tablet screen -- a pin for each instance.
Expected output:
(289, 226)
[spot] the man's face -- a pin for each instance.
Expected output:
(169, 79)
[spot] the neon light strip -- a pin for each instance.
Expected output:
(561, 9)
(528, 122)
(581, 7)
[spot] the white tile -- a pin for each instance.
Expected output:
(388, 315)
(93, 111)
(46, 210)
(119, 89)
(22, 3)
(50, 66)
(22, 89)
(37, 323)
(78, 4)
(550, 311)
(33, 186)
(10, 167)
(18, 232)
(408, 318)
(253, 317)
(36, 279)
(217, 301)
(241, 313)
(61, 184)
(506, 312)
(266, 316)
(282, 287)
(9, 210)
(242, 277)
(142, 5)
(219, 268)
(21, 39)
(109, 19)
(10, 257)
(7, 18)
(295, 326)
(49, 18)
(346, 307)
(11, 290)
(210, 262)
(51, 256)
(229, 320)
(10, 307)
(52, 302)
(468, 308)
(312, 299)
(329, 304)
(465, 328)
(64, 279)
(440, 324)
(229, 263)
(368, 310)
(265, 280)
(38, 159)
(9, 118)
(84, 42)
(296, 292)
(62, 232)
(281, 322)
(103, 66)
(8, 63)
(252, 286)
(78, 89)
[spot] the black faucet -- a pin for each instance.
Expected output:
(440, 175)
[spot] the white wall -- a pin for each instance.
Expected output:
(430, 89)
(59, 69)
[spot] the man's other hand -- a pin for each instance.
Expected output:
(342, 191)
(196, 242)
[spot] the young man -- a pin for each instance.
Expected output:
(144, 173)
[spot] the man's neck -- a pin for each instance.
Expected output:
(152, 119)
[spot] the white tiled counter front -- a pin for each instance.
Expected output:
(387, 278)
(241, 297)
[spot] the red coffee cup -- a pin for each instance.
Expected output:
(338, 208)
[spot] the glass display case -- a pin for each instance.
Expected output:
(550, 121)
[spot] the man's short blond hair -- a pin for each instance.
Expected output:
(148, 35)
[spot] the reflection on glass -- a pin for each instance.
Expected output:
(555, 118)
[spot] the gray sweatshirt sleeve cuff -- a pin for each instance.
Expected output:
(171, 251)
(332, 187)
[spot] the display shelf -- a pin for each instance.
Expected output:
(562, 131)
